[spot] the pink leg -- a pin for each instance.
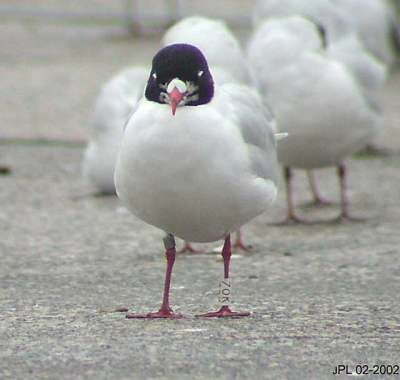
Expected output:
(291, 217)
(225, 311)
(344, 202)
(165, 310)
(239, 245)
(318, 200)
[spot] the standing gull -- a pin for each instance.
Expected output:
(315, 99)
(193, 162)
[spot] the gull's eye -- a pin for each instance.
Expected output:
(154, 75)
(200, 73)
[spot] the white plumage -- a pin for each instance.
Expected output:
(203, 172)
(375, 23)
(225, 57)
(315, 98)
(117, 100)
(216, 42)
(366, 68)
(197, 159)
(323, 12)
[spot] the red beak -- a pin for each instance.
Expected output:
(175, 96)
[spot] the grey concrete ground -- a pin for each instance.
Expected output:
(320, 295)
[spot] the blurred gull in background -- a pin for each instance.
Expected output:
(117, 100)
(314, 98)
(344, 29)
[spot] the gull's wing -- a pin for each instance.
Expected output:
(369, 71)
(245, 108)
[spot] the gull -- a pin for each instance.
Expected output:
(315, 99)
(196, 160)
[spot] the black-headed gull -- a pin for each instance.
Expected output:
(117, 100)
(196, 160)
(314, 98)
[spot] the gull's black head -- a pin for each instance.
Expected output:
(180, 77)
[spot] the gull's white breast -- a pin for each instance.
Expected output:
(189, 174)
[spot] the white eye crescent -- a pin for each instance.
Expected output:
(154, 75)
(200, 73)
